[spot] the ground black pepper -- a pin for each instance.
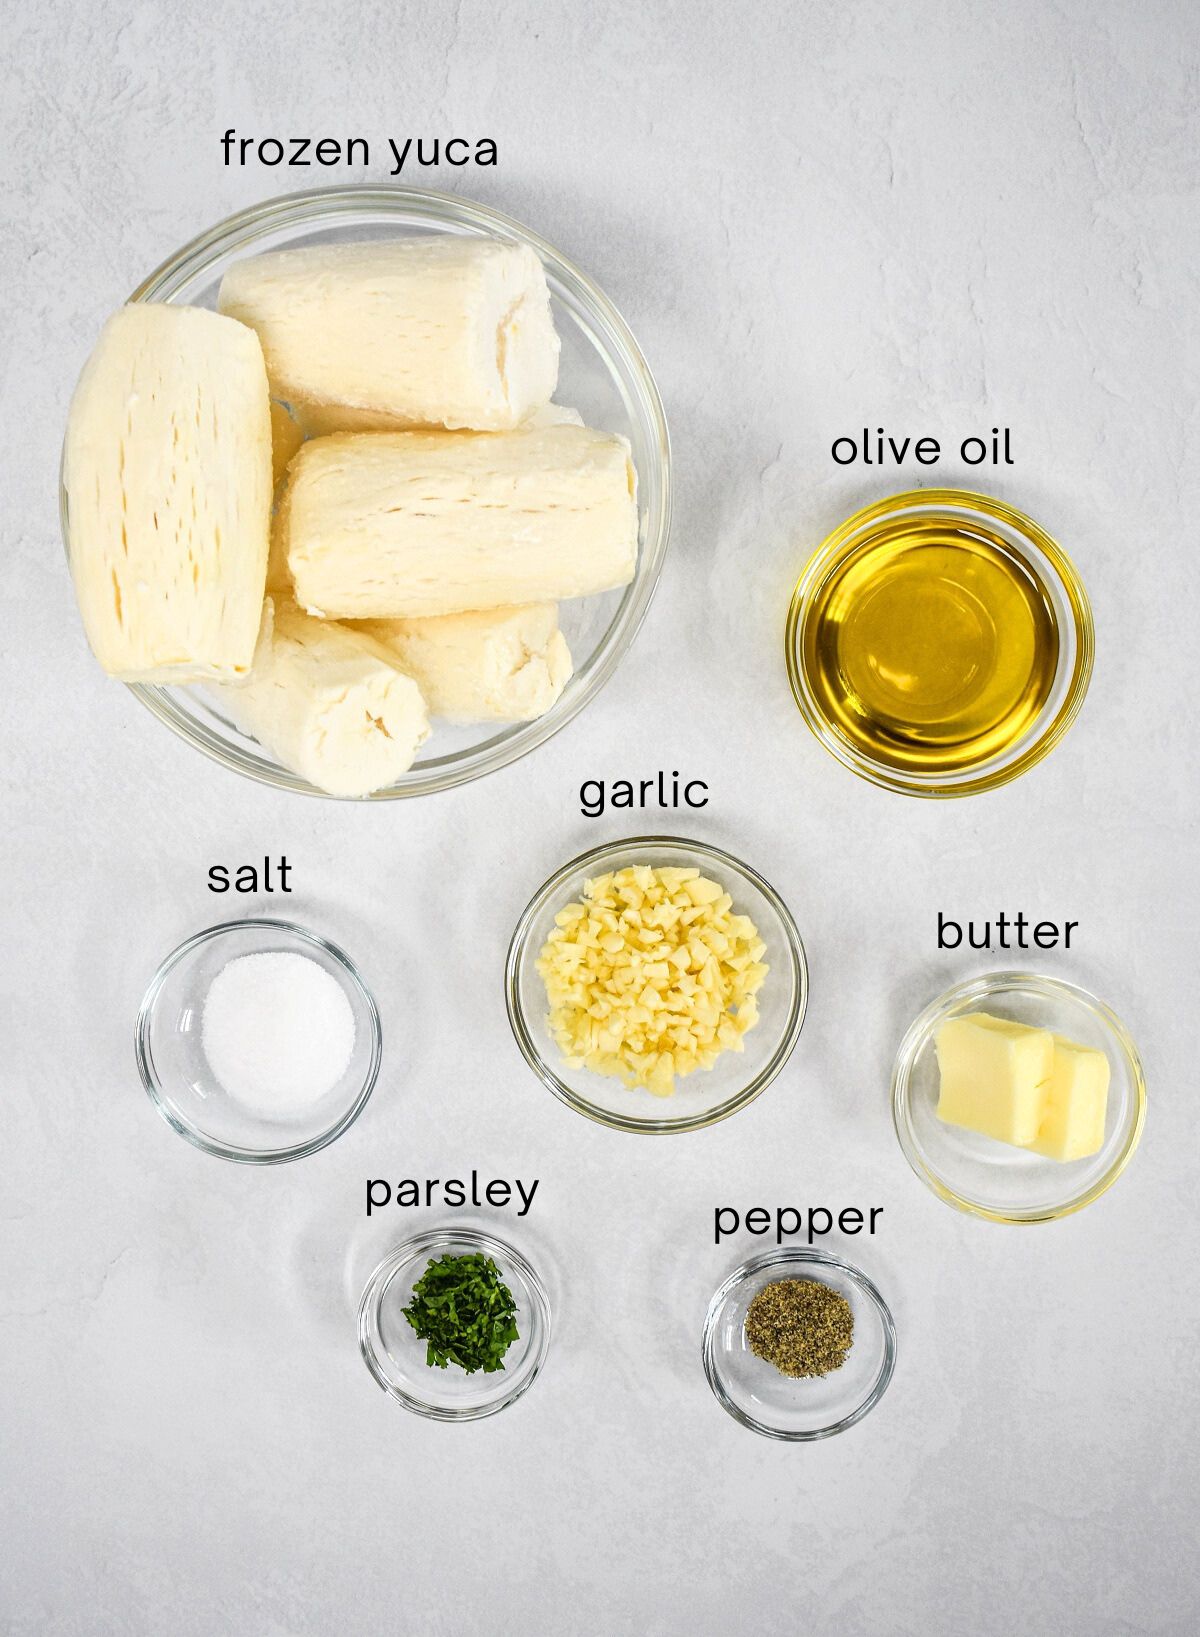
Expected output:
(800, 1326)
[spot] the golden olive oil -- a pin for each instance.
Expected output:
(930, 645)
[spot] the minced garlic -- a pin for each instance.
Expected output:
(651, 976)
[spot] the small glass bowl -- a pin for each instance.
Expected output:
(1060, 584)
(993, 1179)
(181, 1085)
(602, 374)
(395, 1355)
(702, 1098)
(798, 1411)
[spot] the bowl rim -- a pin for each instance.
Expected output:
(981, 988)
(519, 1024)
(798, 1256)
(314, 207)
(409, 1250)
(933, 785)
(157, 1092)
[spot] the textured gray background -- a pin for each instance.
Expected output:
(936, 217)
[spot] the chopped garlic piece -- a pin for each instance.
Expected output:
(651, 976)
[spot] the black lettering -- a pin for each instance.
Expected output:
(844, 460)
(927, 451)
(475, 1199)
(398, 154)
(783, 1229)
(814, 1213)
(327, 151)
(526, 1198)
(300, 146)
(876, 1210)
(455, 1193)
(621, 794)
(718, 1230)
(1045, 935)
(696, 784)
(247, 879)
(498, 1192)
(591, 806)
(372, 1202)
(945, 927)
(408, 1192)
(850, 1221)
(270, 142)
(485, 152)
(430, 1185)
(758, 1220)
(218, 878)
(421, 159)
(357, 142)
(457, 142)
(973, 460)
(1071, 926)
(226, 144)
(900, 453)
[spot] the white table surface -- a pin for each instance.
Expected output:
(935, 217)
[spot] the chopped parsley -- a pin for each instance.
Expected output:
(464, 1312)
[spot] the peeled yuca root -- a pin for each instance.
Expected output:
(407, 524)
(493, 665)
(433, 331)
(322, 420)
(651, 975)
(167, 469)
(330, 703)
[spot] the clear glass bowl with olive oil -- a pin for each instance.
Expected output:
(939, 642)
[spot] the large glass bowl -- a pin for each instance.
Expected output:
(700, 1099)
(602, 374)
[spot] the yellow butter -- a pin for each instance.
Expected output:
(994, 1075)
(1072, 1125)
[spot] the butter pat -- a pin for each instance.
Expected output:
(330, 703)
(994, 1076)
(1076, 1103)
(406, 524)
(426, 331)
(494, 665)
(167, 468)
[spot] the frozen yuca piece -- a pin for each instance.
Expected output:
(1076, 1102)
(321, 420)
(994, 1076)
(493, 665)
(436, 331)
(167, 469)
(404, 524)
(330, 703)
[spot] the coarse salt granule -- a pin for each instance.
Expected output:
(278, 1032)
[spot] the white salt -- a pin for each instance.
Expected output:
(278, 1032)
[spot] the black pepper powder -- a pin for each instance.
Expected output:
(800, 1326)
